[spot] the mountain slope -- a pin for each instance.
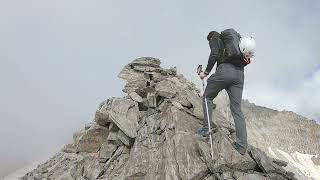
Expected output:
(150, 134)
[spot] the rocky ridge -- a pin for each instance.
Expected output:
(150, 134)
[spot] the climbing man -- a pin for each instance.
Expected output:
(232, 53)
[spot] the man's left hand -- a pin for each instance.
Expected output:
(202, 75)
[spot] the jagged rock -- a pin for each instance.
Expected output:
(177, 105)
(181, 120)
(196, 103)
(135, 70)
(245, 176)
(91, 139)
(166, 89)
(227, 176)
(77, 169)
(89, 125)
(226, 158)
(180, 164)
(146, 61)
(130, 75)
(113, 135)
(275, 176)
(184, 92)
(183, 83)
(205, 153)
(151, 111)
(144, 68)
(172, 71)
(113, 158)
(113, 131)
(115, 170)
(164, 105)
(136, 97)
(222, 112)
(183, 100)
(280, 162)
(125, 113)
(77, 134)
(151, 100)
(64, 166)
(69, 148)
(157, 76)
(267, 165)
(169, 160)
(80, 178)
(220, 119)
(93, 170)
(144, 162)
(188, 160)
(148, 135)
(64, 176)
(106, 151)
(102, 114)
(138, 86)
(211, 177)
(124, 138)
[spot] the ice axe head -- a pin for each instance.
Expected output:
(199, 69)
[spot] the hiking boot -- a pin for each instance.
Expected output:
(204, 131)
(239, 148)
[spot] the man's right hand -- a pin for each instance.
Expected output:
(202, 75)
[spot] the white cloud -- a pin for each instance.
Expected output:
(303, 99)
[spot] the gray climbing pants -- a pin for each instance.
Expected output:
(230, 78)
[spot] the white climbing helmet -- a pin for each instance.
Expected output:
(247, 46)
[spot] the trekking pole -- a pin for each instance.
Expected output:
(199, 70)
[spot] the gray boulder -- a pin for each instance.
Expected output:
(146, 61)
(166, 89)
(225, 157)
(187, 156)
(91, 139)
(102, 114)
(131, 75)
(138, 86)
(125, 113)
(136, 97)
(106, 151)
(267, 165)
(246, 176)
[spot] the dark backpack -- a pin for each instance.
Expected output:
(231, 52)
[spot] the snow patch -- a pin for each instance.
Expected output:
(301, 162)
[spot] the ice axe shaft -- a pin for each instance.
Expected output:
(199, 70)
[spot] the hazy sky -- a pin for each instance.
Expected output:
(59, 59)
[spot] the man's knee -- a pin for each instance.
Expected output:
(208, 102)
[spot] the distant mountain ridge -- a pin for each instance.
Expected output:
(293, 132)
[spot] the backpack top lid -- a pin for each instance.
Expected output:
(229, 31)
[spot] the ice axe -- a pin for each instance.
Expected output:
(199, 70)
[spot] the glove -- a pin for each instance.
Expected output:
(203, 75)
